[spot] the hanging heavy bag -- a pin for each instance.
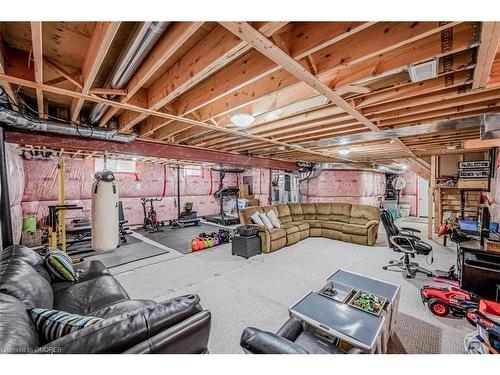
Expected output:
(104, 213)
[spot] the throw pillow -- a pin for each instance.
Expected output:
(266, 221)
(256, 219)
(273, 219)
(52, 324)
(60, 265)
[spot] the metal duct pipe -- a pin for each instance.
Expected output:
(17, 120)
(140, 42)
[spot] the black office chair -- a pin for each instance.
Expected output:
(404, 240)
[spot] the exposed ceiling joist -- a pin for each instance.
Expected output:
(490, 39)
(247, 33)
(37, 46)
(174, 37)
(217, 49)
(6, 85)
(103, 36)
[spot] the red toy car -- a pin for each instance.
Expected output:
(443, 301)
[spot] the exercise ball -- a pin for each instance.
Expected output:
(105, 231)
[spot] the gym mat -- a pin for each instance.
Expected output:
(178, 239)
(127, 254)
(83, 249)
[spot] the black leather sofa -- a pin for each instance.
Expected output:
(178, 325)
(291, 338)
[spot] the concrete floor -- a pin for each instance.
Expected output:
(258, 291)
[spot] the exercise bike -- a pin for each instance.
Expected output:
(150, 218)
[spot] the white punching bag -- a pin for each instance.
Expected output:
(105, 233)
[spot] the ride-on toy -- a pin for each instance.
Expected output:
(443, 301)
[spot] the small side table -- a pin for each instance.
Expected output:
(246, 247)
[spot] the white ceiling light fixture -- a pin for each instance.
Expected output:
(423, 71)
(344, 151)
(451, 147)
(242, 120)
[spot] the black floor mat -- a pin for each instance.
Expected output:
(178, 239)
(127, 254)
(85, 248)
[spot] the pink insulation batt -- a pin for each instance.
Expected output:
(349, 186)
(41, 188)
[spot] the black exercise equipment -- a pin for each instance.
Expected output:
(404, 241)
(121, 222)
(184, 219)
(150, 218)
(224, 193)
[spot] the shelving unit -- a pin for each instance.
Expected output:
(452, 201)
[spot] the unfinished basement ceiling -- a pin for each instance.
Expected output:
(304, 82)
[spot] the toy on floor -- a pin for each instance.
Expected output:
(486, 339)
(443, 301)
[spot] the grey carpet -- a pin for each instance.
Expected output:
(258, 291)
(178, 239)
(127, 254)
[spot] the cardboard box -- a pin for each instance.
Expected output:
(244, 190)
(253, 202)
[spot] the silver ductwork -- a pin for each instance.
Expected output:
(490, 126)
(139, 44)
(22, 122)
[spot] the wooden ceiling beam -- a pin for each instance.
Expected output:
(247, 33)
(490, 39)
(174, 37)
(37, 47)
(103, 36)
(127, 106)
(6, 85)
(215, 51)
(475, 144)
(280, 82)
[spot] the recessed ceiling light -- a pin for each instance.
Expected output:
(404, 166)
(344, 151)
(135, 158)
(242, 120)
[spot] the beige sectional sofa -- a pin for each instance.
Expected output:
(339, 221)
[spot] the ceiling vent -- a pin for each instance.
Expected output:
(424, 71)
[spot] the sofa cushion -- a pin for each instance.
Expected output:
(91, 295)
(314, 223)
(85, 270)
(289, 228)
(323, 211)
(245, 214)
(361, 214)
(256, 219)
(53, 324)
(296, 211)
(355, 229)
(284, 213)
(20, 280)
(277, 233)
(341, 212)
(335, 225)
(274, 219)
(60, 265)
(302, 225)
(17, 331)
(28, 255)
(309, 211)
(120, 332)
(122, 307)
(266, 221)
